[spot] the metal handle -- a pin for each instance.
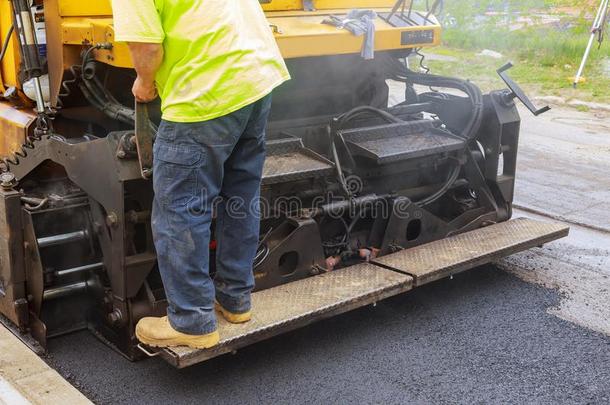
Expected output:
(144, 140)
(517, 91)
(147, 352)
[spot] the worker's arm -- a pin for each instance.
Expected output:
(138, 23)
(147, 59)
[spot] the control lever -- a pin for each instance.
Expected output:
(517, 92)
(144, 140)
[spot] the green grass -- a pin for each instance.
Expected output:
(536, 79)
(545, 57)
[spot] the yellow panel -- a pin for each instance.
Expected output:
(85, 8)
(306, 36)
(279, 5)
(94, 31)
(283, 5)
(14, 126)
(91, 8)
(298, 36)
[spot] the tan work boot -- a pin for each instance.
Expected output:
(233, 317)
(157, 332)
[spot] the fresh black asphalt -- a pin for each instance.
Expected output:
(484, 336)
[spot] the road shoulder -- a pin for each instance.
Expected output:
(26, 379)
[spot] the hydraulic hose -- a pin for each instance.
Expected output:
(4, 48)
(453, 176)
(399, 72)
(95, 92)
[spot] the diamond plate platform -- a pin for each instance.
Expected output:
(288, 160)
(395, 142)
(293, 305)
(436, 260)
(290, 306)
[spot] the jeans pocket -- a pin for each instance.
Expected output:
(167, 131)
(175, 173)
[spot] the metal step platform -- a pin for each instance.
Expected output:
(294, 305)
(288, 160)
(445, 257)
(402, 141)
(291, 306)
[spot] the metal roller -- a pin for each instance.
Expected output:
(79, 269)
(62, 239)
(64, 291)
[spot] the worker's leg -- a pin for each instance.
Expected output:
(238, 217)
(188, 172)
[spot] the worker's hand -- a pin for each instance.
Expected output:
(143, 91)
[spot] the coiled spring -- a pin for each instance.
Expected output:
(20, 153)
(66, 85)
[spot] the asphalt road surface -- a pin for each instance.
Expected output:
(535, 328)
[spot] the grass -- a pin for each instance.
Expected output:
(545, 56)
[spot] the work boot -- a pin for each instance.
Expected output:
(157, 332)
(231, 316)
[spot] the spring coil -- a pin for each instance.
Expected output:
(75, 71)
(20, 153)
(42, 128)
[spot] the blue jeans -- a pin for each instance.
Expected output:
(201, 169)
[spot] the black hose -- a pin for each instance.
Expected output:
(453, 176)
(353, 113)
(399, 72)
(6, 42)
(340, 174)
(97, 95)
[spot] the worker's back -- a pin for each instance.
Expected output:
(220, 55)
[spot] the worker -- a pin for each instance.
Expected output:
(214, 64)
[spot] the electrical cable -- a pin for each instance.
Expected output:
(422, 57)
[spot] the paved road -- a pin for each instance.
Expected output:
(484, 336)
(564, 163)
(534, 328)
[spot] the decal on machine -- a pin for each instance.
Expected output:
(417, 37)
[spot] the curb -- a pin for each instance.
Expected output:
(26, 379)
(562, 102)
(561, 218)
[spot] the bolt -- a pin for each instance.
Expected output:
(107, 300)
(115, 317)
(11, 93)
(7, 181)
(112, 219)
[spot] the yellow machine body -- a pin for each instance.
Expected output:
(72, 25)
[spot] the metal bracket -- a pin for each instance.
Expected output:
(144, 140)
(517, 92)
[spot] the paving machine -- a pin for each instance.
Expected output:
(365, 194)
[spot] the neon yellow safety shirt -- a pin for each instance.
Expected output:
(220, 55)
